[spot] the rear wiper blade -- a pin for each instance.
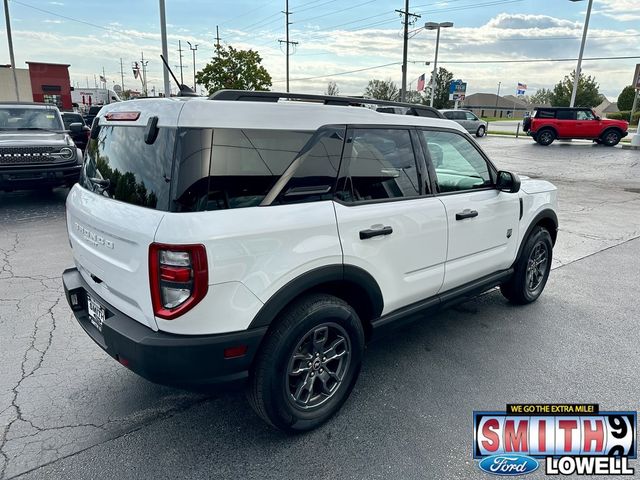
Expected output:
(103, 182)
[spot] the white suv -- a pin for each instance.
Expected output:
(225, 240)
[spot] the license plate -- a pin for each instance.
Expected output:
(96, 312)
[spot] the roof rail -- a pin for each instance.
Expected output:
(258, 96)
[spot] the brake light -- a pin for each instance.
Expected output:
(178, 277)
(122, 116)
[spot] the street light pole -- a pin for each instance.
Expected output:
(165, 50)
(574, 93)
(194, 49)
(13, 60)
(436, 26)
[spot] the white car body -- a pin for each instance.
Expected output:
(256, 253)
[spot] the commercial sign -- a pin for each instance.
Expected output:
(457, 90)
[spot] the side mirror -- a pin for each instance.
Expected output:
(75, 127)
(598, 117)
(508, 182)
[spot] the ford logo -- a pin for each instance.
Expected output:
(508, 464)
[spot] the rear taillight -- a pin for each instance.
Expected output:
(178, 277)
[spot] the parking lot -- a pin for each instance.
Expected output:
(70, 411)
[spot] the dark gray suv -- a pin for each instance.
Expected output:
(35, 149)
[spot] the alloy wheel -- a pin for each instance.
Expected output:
(318, 366)
(537, 266)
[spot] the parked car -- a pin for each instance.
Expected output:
(549, 123)
(91, 114)
(35, 150)
(266, 241)
(410, 109)
(80, 138)
(468, 120)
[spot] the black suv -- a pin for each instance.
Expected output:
(35, 149)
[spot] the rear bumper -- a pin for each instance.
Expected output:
(177, 360)
(42, 175)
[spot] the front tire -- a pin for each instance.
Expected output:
(545, 137)
(481, 131)
(308, 364)
(611, 138)
(531, 270)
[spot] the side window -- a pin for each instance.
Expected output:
(566, 115)
(585, 115)
(471, 116)
(460, 116)
(545, 114)
(449, 115)
(378, 164)
(312, 175)
(458, 165)
(231, 168)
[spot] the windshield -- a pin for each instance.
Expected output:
(21, 118)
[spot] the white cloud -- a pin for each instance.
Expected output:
(621, 10)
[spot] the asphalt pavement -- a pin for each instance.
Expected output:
(70, 411)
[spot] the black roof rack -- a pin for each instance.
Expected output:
(256, 96)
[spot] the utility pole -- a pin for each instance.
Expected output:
(121, 76)
(180, 54)
(144, 75)
(194, 49)
(165, 49)
(13, 60)
(217, 40)
(576, 80)
(407, 14)
(287, 42)
(497, 98)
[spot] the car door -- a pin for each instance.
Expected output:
(566, 124)
(389, 223)
(473, 122)
(587, 124)
(482, 221)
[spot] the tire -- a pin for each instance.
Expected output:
(481, 131)
(611, 137)
(531, 269)
(300, 342)
(545, 137)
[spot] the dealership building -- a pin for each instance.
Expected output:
(40, 82)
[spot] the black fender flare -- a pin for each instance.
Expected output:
(546, 214)
(329, 274)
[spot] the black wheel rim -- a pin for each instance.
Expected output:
(537, 266)
(318, 366)
(611, 138)
(545, 137)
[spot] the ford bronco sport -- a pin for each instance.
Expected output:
(267, 240)
(35, 149)
(549, 123)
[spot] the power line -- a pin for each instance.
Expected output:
(531, 60)
(337, 11)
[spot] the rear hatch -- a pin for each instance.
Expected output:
(114, 211)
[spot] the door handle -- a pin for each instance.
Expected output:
(466, 213)
(370, 233)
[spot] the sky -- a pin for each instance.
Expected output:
(348, 42)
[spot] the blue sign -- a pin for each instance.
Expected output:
(508, 464)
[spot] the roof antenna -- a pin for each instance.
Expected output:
(183, 90)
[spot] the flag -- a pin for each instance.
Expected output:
(102, 79)
(421, 83)
(522, 88)
(136, 70)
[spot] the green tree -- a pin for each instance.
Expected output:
(625, 99)
(441, 98)
(237, 69)
(413, 96)
(382, 90)
(541, 97)
(332, 89)
(588, 94)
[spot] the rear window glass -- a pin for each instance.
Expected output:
(231, 168)
(122, 166)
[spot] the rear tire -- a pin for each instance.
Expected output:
(531, 270)
(545, 137)
(610, 138)
(308, 364)
(481, 131)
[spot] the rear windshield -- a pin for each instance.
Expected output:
(190, 169)
(122, 166)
